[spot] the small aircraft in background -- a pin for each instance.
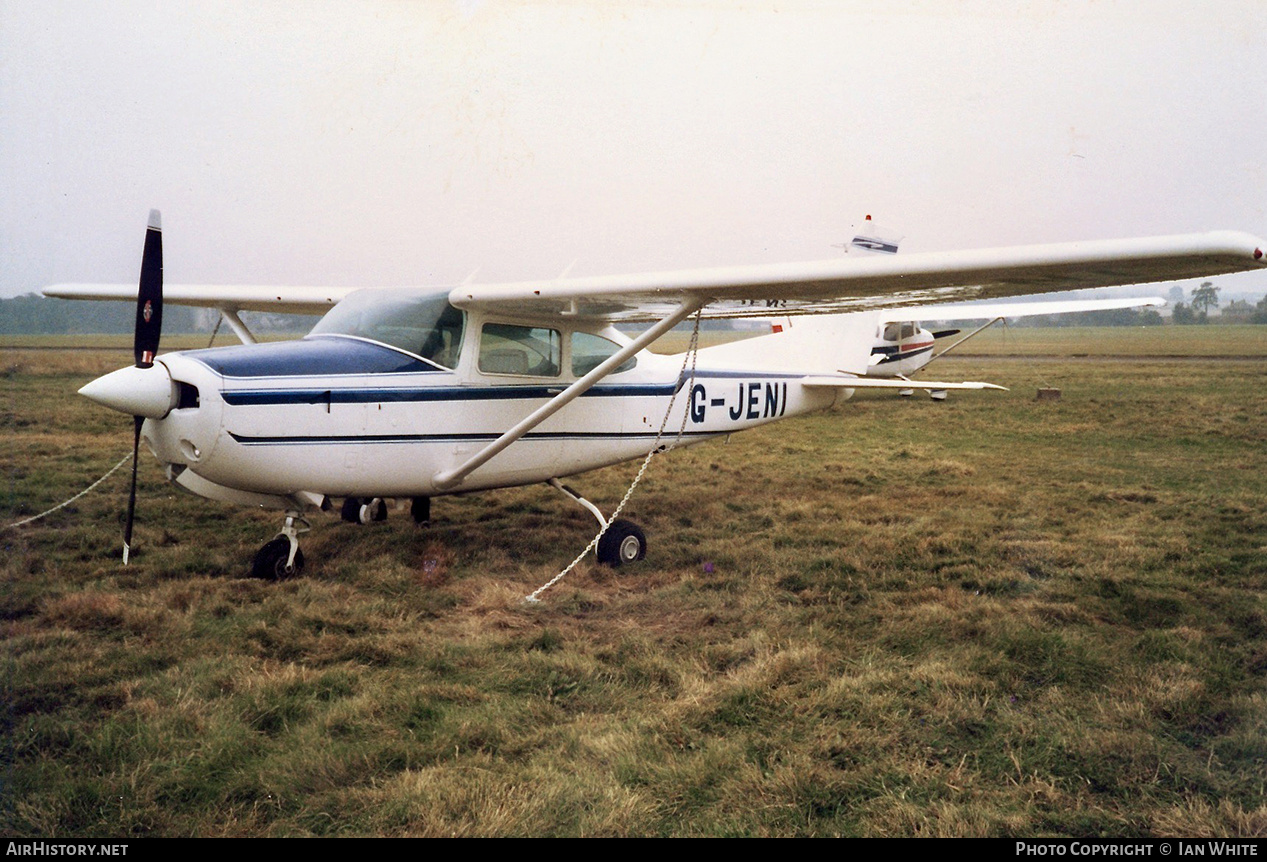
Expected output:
(413, 393)
(902, 346)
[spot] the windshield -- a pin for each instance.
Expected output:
(425, 325)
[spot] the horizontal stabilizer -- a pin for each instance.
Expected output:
(989, 310)
(872, 383)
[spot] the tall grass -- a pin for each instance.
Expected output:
(990, 616)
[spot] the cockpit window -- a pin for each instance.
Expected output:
(589, 351)
(899, 331)
(527, 350)
(425, 326)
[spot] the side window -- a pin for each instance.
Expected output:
(526, 350)
(589, 351)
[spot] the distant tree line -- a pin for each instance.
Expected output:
(40, 315)
(1111, 317)
(1240, 311)
(1206, 297)
(1195, 311)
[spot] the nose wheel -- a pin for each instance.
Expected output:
(280, 558)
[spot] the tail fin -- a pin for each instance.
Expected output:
(871, 239)
(809, 344)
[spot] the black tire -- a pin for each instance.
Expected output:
(623, 543)
(270, 561)
(421, 511)
(351, 511)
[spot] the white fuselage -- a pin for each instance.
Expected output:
(339, 416)
(900, 350)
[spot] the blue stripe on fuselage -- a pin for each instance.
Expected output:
(894, 354)
(333, 356)
(508, 392)
(357, 439)
(256, 397)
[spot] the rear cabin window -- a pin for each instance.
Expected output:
(522, 350)
(589, 351)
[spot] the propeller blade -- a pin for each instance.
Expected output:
(149, 328)
(137, 421)
(149, 297)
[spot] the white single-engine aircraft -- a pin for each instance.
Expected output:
(417, 392)
(902, 347)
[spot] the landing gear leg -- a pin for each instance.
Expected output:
(281, 558)
(374, 510)
(357, 510)
(623, 542)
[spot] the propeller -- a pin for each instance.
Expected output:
(149, 328)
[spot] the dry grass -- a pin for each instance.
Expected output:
(985, 617)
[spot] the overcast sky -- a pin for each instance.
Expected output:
(378, 143)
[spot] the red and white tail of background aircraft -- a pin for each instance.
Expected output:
(416, 393)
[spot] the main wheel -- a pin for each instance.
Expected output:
(351, 511)
(374, 510)
(270, 561)
(623, 543)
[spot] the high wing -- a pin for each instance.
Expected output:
(837, 285)
(233, 297)
(875, 283)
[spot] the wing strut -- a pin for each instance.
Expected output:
(965, 338)
(449, 478)
(235, 323)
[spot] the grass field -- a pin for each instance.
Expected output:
(985, 617)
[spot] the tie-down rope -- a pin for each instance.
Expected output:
(691, 353)
(125, 460)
